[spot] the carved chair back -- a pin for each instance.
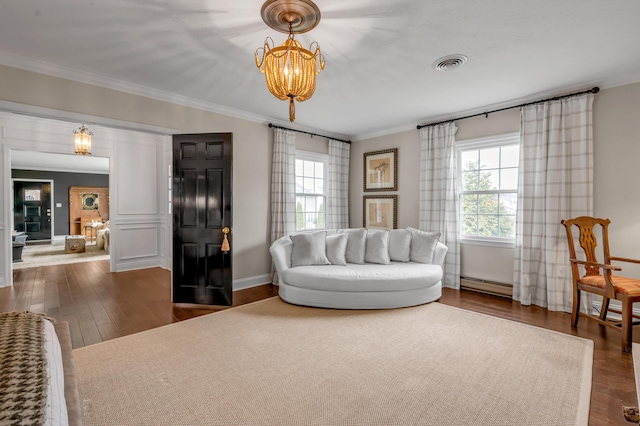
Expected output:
(588, 241)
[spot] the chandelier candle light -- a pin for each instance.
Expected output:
(83, 141)
(290, 70)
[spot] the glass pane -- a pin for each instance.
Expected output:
(489, 179)
(508, 204)
(469, 181)
(469, 204)
(309, 168)
(508, 226)
(488, 226)
(469, 160)
(510, 156)
(469, 224)
(488, 204)
(319, 170)
(31, 195)
(490, 158)
(299, 219)
(308, 185)
(311, 221)
(320, 209)
(299, 185)
(319, 186)
(310, 204)
(509, 179)
(299, 167)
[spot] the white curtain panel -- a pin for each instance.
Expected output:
(283, 187)
(555, 183)
(338, 185)
(439, 194)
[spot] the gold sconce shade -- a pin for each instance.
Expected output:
(82, 141)
(290, 70)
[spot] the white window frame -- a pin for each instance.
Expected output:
(482, 143)
(319, 158)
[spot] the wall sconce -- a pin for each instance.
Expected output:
(82, 141)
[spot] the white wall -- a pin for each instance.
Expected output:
(252, 145)
(136, 211)
(616, 124)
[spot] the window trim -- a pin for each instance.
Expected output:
(319, 158)
(500, 140)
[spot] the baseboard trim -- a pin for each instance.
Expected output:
(486, 287)
(614, 304)
(132, 266)
(250, 282)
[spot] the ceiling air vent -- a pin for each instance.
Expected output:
(450, 62)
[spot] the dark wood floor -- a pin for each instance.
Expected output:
(100, 305)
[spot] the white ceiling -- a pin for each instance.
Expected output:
(379, 53)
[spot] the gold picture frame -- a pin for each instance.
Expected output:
(381, 170)
(380, 211)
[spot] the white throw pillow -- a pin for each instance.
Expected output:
(377, 249)
(400, 245)
(423, 245)
(356, 243)
(337, 249)
(309, 249)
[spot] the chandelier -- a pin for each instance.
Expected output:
(82, 141)
(290, 70)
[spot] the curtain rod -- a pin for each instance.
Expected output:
(308, 133)
(594, 90)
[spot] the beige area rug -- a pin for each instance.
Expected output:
(271, 363)
(53, 254)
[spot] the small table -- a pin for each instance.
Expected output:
(92, 228)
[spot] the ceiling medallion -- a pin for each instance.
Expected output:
(290, 70)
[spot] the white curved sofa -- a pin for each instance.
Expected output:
(361, 285)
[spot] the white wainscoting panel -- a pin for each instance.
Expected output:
(139, 241)
(137, 178)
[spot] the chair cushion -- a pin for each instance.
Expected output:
(629, 286)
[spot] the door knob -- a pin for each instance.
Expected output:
(225, 242)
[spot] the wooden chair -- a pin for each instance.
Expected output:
(604, 283)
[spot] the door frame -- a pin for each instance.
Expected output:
(12, 192)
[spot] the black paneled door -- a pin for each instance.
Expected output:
(32, 209)
(202, 206)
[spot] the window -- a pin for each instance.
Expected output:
(488, 176)
(310, 197)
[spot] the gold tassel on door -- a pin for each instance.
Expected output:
(225, 242)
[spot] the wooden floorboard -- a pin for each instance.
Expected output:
(100, 305)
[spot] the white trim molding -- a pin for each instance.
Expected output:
(250, 282)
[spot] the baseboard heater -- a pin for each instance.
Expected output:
(487, 287)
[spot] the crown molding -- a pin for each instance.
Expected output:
(41, 67)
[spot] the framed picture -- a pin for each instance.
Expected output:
(380, 211)
(381, 170)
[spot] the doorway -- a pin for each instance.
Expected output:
(32, 213)
(61, 171)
